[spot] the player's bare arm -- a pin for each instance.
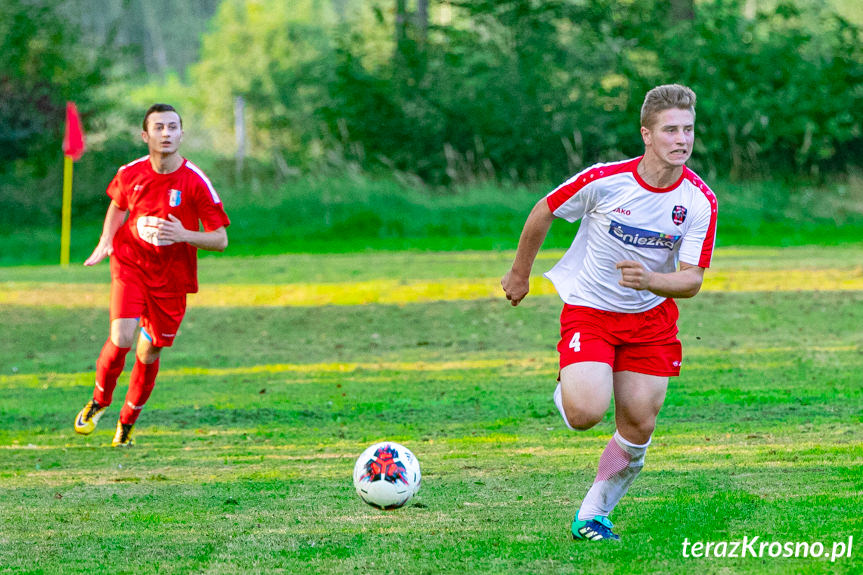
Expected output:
(684, 283)
(113, 220)
(172, 230)
(516, 282)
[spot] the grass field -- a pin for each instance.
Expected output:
(287, 367)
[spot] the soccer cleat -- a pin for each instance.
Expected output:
(123, 436)
(88, 417)
(596, 529)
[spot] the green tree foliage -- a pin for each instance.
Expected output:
(779, 92)
(158, 36)
(42, 66)
(529, 89)
(277, 56)
(45, 63)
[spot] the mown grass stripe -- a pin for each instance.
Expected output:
(386, 291)
(534, 361)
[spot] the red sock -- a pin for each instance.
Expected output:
(140, 387)
(109, 366)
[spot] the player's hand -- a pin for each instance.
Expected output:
(171, 231)
(102, 251)
(634, 275)
(515, 287)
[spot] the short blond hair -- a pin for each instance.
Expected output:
(666, 97)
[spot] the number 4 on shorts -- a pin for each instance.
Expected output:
(575, 342)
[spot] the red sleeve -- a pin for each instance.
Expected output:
(710, 237)
(117, 191)
(703, 228)
(211, 211)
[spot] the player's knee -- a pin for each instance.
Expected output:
(148, 353)
(637, 432)
(123, 332)
(582, 410)
(121, 339)
(582, 417)
(147, 359)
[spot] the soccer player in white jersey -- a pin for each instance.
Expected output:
(646, 236)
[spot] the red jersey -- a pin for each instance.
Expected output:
(150, 197)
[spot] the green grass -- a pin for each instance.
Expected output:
(313, 215)
(245, 451)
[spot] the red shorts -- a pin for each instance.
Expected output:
(643, 342)
(160, 315)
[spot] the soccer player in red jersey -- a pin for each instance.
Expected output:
(153, 262)
(646, 236)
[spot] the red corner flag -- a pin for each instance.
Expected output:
(73, 139)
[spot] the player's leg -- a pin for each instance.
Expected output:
(112, 359)
(158, 330)
(583, 397)
(584, 393)
(641, 372)
(141, 385)
(638, 397)
(126, 306)
(637, 400)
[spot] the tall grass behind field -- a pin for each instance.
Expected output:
(344, 215)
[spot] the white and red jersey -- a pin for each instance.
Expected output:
(150, 197)
(624, 218)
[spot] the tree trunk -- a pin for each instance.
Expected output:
(340, 7)
(422, 21)
(401, 24)
(682, 10)
(158, 60)
(239, 135)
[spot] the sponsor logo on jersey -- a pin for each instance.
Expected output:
(642, 238)
(678, 215)
(623, 211)
(148, 230)
(176, 196)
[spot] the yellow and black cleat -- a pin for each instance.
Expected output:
(123, 436)
(88, 417)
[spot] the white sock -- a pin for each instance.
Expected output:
(558, 401)
(619, 465)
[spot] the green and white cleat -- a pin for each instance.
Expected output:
(88, 417)
(596, 529)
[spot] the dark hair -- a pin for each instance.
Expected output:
(666, 97)
(161, 108)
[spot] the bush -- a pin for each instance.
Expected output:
(519, 90)
(44, 64)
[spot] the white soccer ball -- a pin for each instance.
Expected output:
(387, 475)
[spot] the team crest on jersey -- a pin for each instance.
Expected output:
(176, 196)
(678, 215)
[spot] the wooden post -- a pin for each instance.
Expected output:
(240, 134)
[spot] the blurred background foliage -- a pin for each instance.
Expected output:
(524, 89)
(435, 95)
